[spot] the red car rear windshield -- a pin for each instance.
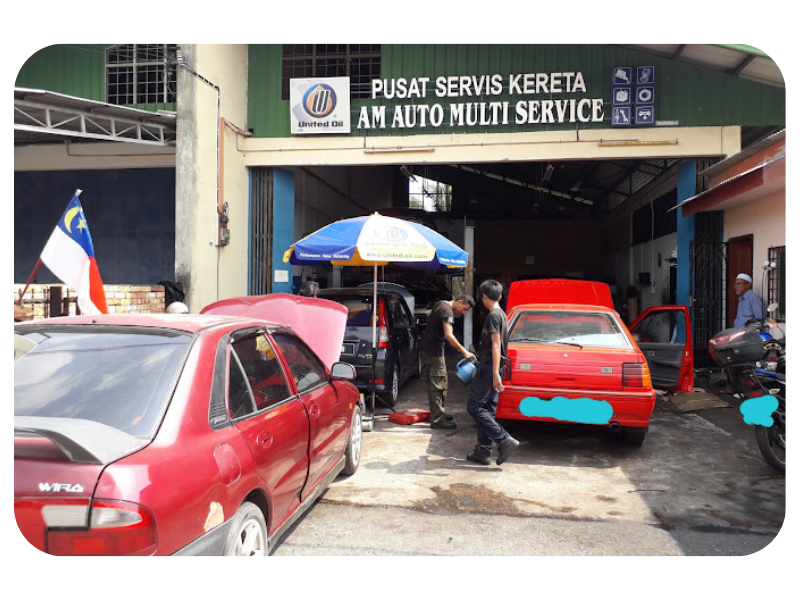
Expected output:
(119, 378)
(584, 328)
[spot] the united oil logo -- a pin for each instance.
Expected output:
(320, 106)
(319, 100)
(392, 234)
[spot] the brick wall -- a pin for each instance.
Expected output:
(121, 299)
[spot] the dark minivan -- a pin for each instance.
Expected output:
(397, 339)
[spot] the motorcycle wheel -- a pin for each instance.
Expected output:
(772, 441)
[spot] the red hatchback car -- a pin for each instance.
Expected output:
(572, 359)
(179, 434)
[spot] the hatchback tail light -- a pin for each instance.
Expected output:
(512, 357)
(636, 375)
(114, 528)
(383, 326)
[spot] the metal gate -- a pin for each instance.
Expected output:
(707, 296)
(261, 214)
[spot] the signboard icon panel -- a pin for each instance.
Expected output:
(622, 95)
(645, 115)
(622, 75)
(645, 95)
(645, 75)
(621, 115)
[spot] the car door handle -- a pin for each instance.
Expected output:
(264, 439)
(313, 410)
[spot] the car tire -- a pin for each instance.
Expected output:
(418, 373)
(634, 436)
(248, 533)
(352, 451)
(391, 397)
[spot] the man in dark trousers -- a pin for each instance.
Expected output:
(438, 331)
(487, 382)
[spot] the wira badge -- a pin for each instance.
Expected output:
(320, 105)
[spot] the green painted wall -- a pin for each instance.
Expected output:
(693, 96)
(72, 69)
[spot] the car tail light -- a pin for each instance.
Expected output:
(512, 357)
(383, 326)
(114, 529)
(636, 375)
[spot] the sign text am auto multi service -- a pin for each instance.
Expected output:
(472, 113)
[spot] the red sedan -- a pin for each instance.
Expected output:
(573, 360)
(179, 434)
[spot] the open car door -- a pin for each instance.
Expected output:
(664, 335)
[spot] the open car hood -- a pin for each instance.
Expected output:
(320, 323)
(559, 291)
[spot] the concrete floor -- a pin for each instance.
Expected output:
(697, 487)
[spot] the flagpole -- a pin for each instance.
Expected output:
(27, 285)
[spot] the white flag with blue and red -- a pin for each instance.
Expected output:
(69, 254)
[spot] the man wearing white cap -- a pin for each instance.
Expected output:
(750, 305)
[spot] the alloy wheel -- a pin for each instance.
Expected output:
(250, 541)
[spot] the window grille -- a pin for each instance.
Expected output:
(360, 62)
(777, 280)
(429, 195)
(141, 74)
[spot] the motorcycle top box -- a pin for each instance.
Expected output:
(736, 346)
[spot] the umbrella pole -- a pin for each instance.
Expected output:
(374, 336)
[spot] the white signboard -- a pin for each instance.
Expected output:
(320, 105)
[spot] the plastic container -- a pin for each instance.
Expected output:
(464, 370)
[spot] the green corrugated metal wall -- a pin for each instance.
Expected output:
(693, 96)
(75, 70)
(72, 69)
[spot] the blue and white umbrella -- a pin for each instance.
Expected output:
(372, 241)
(376, 240)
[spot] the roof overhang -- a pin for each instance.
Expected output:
(763, 180)
(737, 60)
(42, 116)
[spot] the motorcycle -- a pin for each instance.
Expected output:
(740, 351)
(773, 341)
(772, 335)
(772, 440)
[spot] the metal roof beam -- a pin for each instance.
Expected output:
(678, 52)
(67, 121)
(742, 65)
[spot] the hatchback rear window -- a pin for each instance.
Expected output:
(584, 328)
(359, 310)
(122, 379)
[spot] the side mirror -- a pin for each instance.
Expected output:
(772, 307)
(342, 370)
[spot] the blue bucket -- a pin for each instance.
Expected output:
(464, 370)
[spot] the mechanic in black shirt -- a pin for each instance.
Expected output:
(438, 330)
(487, 383)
